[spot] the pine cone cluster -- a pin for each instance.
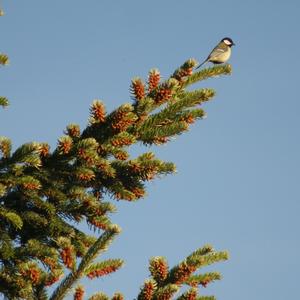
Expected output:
(67, 257)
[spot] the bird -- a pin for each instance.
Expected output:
(221, 53)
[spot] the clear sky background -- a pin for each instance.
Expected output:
(237, 185)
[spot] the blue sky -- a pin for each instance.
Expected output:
(237, 185)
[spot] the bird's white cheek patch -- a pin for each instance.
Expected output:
(227, 42)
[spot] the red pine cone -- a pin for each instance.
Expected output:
(191, 295)
(148, 290)
(135, 167)
(98, 111)
(163, 94)
(121, 155)
(44, 150)
(74, 131)
(102, 272)
(117, 296)
(150, 172)
(183, 272)
(120, 122)
(99, 224)
(50, 262)
(121, 142)
(161, 268)
(65, 146)
(31, 186)
(101, 150)
(84, 156)
(188, 119)
(153, 80)
(79, 292)
(86, 176)
(139, 193)
(138, 88)
(67, 257)
(183, 73)
(51, 280)
(33, 274)
(165, 296)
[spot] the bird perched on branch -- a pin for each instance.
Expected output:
(221, 53)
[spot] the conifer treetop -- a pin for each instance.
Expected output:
(45, 194)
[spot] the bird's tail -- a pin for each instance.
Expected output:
(201, 64)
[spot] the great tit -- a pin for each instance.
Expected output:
(221, 53)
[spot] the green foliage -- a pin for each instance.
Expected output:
(27, 154)
(100, 246)
(11, 218)
(4, 60)
(45, 194)
(208, 73)
(3, 101)
(165, 282)
(203, 279)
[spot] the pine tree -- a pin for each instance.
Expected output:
(45, 194)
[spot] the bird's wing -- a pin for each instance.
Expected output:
(216, 52)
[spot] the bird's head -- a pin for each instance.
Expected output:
(228, 41)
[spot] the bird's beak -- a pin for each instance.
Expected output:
(233, 44)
